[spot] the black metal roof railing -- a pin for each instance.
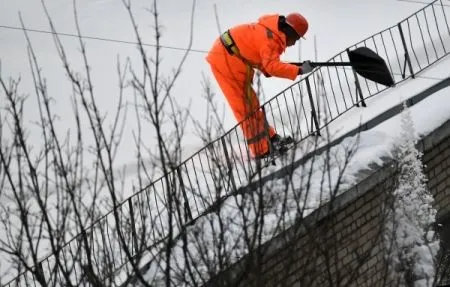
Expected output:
(300, 110)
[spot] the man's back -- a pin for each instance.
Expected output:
(252, 38)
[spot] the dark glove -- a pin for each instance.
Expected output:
(306, 67)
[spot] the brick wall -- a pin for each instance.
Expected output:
(342, 242)
(437, 162)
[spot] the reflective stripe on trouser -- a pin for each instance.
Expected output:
(237, 88)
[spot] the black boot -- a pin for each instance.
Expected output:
(279, 144)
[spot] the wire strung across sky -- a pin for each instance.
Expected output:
(422, 2)
(100, 39)
(120, 41)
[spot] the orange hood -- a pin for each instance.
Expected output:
(271, 23)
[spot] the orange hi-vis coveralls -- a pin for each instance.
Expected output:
(255, 45)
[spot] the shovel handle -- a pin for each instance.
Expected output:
(325, 64)
(330, 64)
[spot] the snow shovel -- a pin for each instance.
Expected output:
(367, 64)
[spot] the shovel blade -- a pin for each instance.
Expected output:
(369, 65)
(366, 63)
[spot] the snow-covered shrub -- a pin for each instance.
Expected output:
(410, 241)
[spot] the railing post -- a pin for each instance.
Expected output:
(266, 125)
(407, 58)
(357, 87)
(230, 169)
(133, 227)
(313, 109)
(266, 128)
(187, 208)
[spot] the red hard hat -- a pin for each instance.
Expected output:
(298, 22)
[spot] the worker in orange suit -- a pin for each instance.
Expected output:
(234, 57)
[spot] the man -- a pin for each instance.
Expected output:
(233, 58)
